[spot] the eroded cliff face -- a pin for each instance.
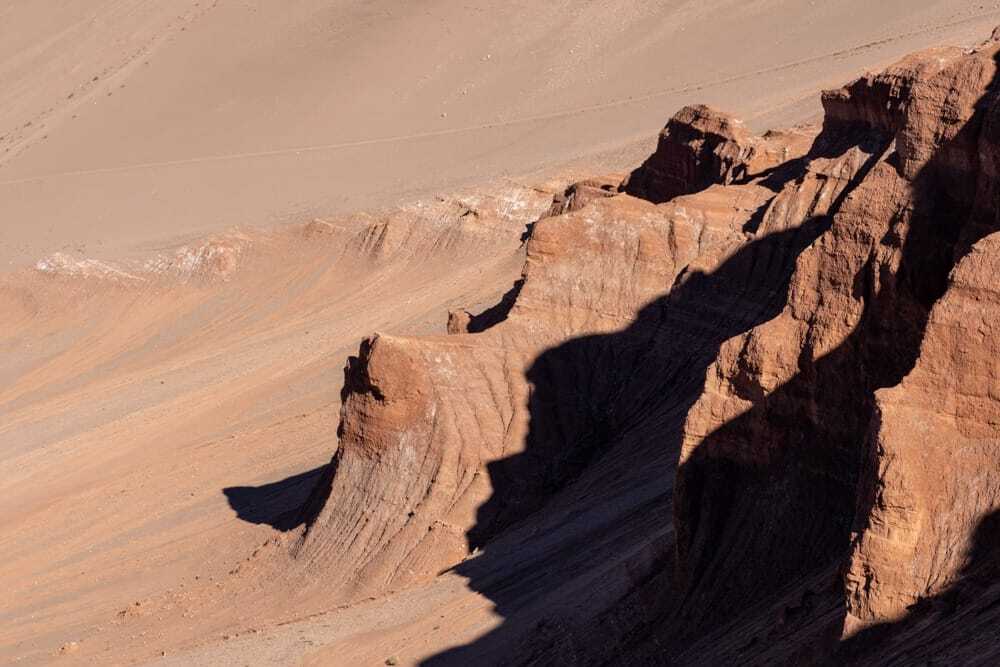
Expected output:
(445, 442)
(931, 479)
(934, 466)
(787, 409)
(773, 359)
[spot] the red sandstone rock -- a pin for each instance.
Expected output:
(581, 193)
(423, 419)
(804, 327)
(936, 465)
(791, 407)
(701, 146)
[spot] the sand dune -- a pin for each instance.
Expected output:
(165, 341)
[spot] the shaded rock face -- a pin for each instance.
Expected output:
(795, 409)
(756, 389)
(934, 459)
(930, 474)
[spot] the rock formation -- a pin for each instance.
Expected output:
(755, 386)
(581, 193)
(701, 146)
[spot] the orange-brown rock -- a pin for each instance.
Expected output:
(701, 146)
(743, 410)
(935, 462)
(581, 193)
(424, 420)
(931, 480)
(772, 449)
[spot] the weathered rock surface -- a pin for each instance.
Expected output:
(931, 484)
(444, 442)
(773, 449)
(581, 193)
(701, 146)
(743, 410)
(935, 461)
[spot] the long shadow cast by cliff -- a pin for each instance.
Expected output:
(746, 526)
(626, 392)
(772, 495)
(477, 323)
(282, 504)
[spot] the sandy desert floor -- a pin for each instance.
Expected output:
(127, 124)
(184, 279)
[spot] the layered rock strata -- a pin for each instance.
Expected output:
(765, 365)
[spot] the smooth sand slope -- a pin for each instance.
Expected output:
(154, 395)
(125, 122)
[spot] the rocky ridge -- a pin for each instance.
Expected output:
(741, 407)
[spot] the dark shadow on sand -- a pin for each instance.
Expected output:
(281, 505)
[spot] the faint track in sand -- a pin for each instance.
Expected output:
(15, 141)
(555, 115)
